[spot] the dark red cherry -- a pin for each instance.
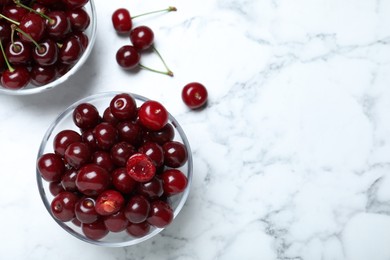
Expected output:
(14, 12)
(79, 19)
(142, 37)
(86, 116)
(174, 181)
(77, 154)
(154, 151)
(68, 180)
(63, 139)
(128, 57)
(5, 31)
(161, 214)
(16, 78)
(71, 50)
(153, 115)
(123, 107)
(59, 24)
(121, 21)
(167, 133)
(85, 210)
(194, 95)
(137, 209)
(116, 222)
(103, 159)
(83, 38)
(18, 52)
(138, 229)
(109, 202)
(62, 68)
(95, 231)
(47, 53)
(73, 4)
(122, 181)
(120, 152)
(140, 167)
(47, 2)
(151, 189)
(92, 180)
(109, 117)
(39, 7)
(88, 138)
(62, 206)
(33, 25)
(106, 135)
(42, 75)
(129, 132)
(175, 154)
(51, 167)
(55, 187)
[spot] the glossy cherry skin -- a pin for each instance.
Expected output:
(109, 117)
(92, 180)
(83, 39)
(129, 132)
(85, 210)
(174, 181)
(59, 25)
(109, 202)
(116, 222)
(68, 180)
(77, 154)
(154, 151)
(138, 229)
(63, 139)
(5, 31)
(33, 25)
(175, 154)
(122, 181)
(121, 21)
(160, 215)
(47, 54)
(194, 95)
(128, 57)
(152, 189)
(14, 12)
(153, 115)
(103, 159)
(86, 116)
(106, 135)
(120, 152)
(167, 133)
(137, 209)
(55, 187)
(62, 206)
(18, 53)
(73, 4)
(142, 37)
(51, 167)
(123, 107)
(42, 75)
(88, 138)
(16, 79)
(79, 19)
(95, 231)
(140, 167)
(71, 50)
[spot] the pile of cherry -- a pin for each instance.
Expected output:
(40, 40)
(119, 172)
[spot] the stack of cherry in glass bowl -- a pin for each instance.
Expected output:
(114, 169)
(44, 42)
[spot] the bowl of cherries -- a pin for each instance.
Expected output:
(114, 169)
(43, 42)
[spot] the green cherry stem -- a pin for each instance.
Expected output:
(5, 58)
(17, 2)
(9, 19)
(169, 72)
(14, 27)
(169, 9)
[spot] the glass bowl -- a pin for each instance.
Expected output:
(65, 121)
(90, 32)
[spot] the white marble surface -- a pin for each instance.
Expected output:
(291, 156)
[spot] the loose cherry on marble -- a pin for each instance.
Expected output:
(42, 75)
(140, 167)
(85, 210)
(62, 206)
(160, 215)
(153, 115)
(86, 116)
(128, 57)
(194, 95)
(142, 37)
(51, 167)
(175, 154)
(174, 181)
(109, 202)
(95, 231)
(138, 229)
(92, 180)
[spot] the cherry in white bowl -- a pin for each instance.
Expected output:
(44, 58)
(114, 169)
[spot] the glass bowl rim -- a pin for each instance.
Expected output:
(68, 74)
(134, 240)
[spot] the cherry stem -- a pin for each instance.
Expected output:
(5, 58)
(17, 2)
(170, 73)
(169, 9)
(9, 19)
(14, 27)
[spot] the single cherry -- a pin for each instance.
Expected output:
(154, 151)
(140, 167)
(95, 231)
(128, 57)
(42, 75)
(103, 159)
(62, 206)
(137, 209)
(109, 202)
(121, 152)
(122, 181)
(142, 37)
(161, 214)
(153, 115)
(129, 132)
(77, 154)
(18, 52)
(63, 139)
(51, 167)
(86, 116)
(116, 222)
(58, 26)
(47, 53)
(167, 133)
(106, 135)
(68, 180)
(121, 21)
(32, 25)
(123, 107)
(92, 180)
(85, 210)
(175, 154)
(71, 50)
(138, 229)
(16, 78)
(79, 19)
(174, 181)
(152, 189)
(55, 188)
(194, 95)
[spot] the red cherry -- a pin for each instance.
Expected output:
(62, 206)
(123, 107)
(79, 19)
(174, 181)
(41, 75)
(68, 180)
(16, 78)
(85, 210)
(33, 25)
(128, 57)
(194, 95)
(160, 215)
(116, 222)
(153, 115)
(175, 154)
(140, 167)
(18, 52)
(122, 181)
(51, 167)
(92, 180)
(59, 24)
(138, 229)
(121, 21)
(86, 116)
(142, 37)
(63, 139)
(109, 202)
(137, 209)
(73, 4)
(55, 188)
(77, 154)
(95, 231)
